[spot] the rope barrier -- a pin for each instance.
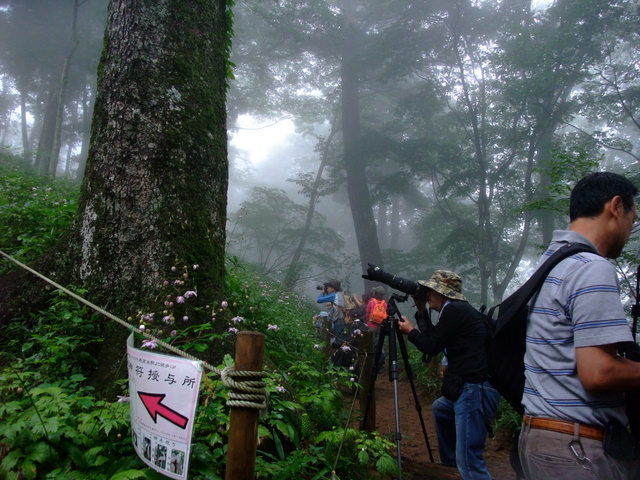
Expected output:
(252, 392)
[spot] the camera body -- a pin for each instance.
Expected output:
(319, 287)
(409, 287)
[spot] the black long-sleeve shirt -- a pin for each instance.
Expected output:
(462, 332)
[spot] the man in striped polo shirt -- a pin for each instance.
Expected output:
(575, 380)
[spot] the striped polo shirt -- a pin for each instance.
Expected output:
(578, 306)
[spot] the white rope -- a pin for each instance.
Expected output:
(253, 393)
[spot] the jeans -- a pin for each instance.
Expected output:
(461, 427)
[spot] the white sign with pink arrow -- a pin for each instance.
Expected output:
(163, 391)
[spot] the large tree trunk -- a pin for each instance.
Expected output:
(155, 188)
(357, 185)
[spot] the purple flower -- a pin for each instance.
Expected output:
(190, 293)
(180, 299)
(345, 348)
(237, 319)
(233, 330)
(224, 304)
(149, 344)
(280, 389)
(123, 399)
(173, 333)
(185, 319)
(273, 327)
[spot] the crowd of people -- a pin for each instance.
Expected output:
(576, 420)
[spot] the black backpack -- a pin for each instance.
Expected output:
(506, 342)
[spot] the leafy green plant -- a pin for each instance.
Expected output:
(57, 342)
(357, 449)
(507, 420)
(34, 210)
(58, 430)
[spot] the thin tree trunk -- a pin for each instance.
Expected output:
(64, 77)
(294, 267)
(87, 110)
(24, 129)
(47, 133)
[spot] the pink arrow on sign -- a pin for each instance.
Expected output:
(152, 402)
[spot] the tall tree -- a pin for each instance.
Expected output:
(155, 188)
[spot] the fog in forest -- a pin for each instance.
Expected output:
(421, 135)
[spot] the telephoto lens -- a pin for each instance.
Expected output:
(376, 274)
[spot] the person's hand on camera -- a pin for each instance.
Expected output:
(420, 301)
(405, 325)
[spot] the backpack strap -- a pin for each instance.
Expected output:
(525, 293)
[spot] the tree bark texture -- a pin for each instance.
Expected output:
(155, 189)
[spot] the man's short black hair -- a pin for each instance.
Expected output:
(591, 193)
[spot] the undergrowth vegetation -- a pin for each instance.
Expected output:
(53, 426)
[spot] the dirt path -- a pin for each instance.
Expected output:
(414, 452)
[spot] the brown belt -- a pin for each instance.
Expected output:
(562, 426)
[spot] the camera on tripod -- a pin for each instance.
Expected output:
(409, 287)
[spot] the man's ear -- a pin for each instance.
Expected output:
(616, 206)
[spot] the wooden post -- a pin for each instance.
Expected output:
(368, 393)
(243, 422)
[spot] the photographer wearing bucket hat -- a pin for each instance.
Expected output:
(463, 414)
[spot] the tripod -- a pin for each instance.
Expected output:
(389, 328)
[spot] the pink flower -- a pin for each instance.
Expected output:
(280, 389)
(273, 327)
(173, 333)
(185, 319)
(233, 330)
(190, 293)
(123, 399)
(224, 304)
(180, 299)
